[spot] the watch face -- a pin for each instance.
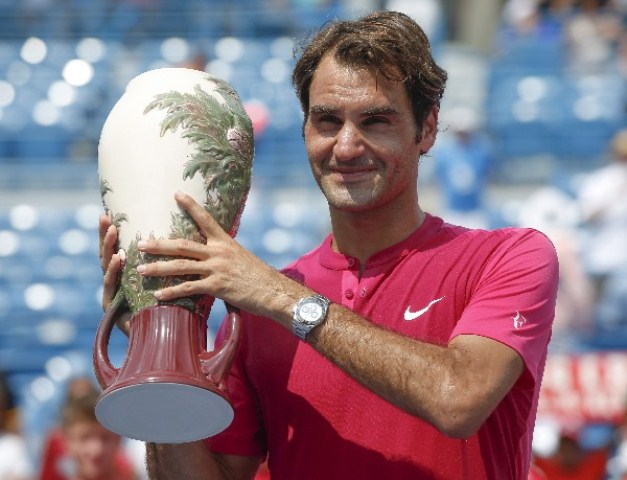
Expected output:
(310, 312)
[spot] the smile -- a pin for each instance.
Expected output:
(351, 175)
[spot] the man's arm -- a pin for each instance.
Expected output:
(190, 461)
(454, 387)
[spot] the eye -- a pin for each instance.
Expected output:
(326, 123)
(332, 119)
(376, 120)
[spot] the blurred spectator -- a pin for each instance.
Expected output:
(622, 55)
(572, 462)
(462, 158)
(540, 19)
(81, 448)
(617, 465)
(602, 197)
(556, 214)
(593, 34)
(355, 8)
(612, 304)
(14, 461)
(428, 13)
(536, 474)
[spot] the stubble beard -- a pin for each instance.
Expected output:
(354, 197)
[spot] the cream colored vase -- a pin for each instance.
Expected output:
(173, 129)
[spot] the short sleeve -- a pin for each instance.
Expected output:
(514, 300)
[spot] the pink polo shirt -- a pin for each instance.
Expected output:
(315, 422)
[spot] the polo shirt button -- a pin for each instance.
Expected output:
(351, 262)
(362, 293)
(349, 294)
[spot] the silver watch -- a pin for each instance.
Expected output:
(309, 312)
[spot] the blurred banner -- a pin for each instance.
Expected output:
(590, 387)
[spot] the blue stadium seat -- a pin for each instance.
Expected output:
(42, 144)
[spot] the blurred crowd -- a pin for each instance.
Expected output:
(593, 30)
(77, 447)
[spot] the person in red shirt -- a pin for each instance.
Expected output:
(82, 449)
(402, 347)
(572, 462)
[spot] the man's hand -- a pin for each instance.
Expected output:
(226, 269)
(111, 264)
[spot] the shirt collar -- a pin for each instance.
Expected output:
(339, 261)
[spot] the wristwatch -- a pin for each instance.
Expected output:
(309, 312)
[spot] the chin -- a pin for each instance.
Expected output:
(351, 199)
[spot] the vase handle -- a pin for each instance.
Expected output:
(216, 364)
(106, 373)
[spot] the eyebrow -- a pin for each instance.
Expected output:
(380, 111)
(323, 109)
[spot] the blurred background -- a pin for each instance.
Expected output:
(533, 133)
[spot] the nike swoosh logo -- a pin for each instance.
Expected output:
(409, 315)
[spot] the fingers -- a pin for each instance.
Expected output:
(189, 288)
(174, 248)
(174, 267)
(110, 281)
(103, 224)
(206, 223)
(108, 240)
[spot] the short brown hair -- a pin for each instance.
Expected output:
(81, 409)
(390, 43)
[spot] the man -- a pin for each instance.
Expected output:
(401, 347)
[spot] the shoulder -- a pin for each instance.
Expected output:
(521, 249)
(526, 240)
(504, 252)
(511, 238)
(507, 238)
(522, 258)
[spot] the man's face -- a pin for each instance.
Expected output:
(92, 447)
(362, 138)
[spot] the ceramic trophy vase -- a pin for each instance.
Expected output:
(173, 129)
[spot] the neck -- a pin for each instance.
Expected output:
(362, 234)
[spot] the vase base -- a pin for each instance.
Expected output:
(164, 412)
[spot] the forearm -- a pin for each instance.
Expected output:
(444, 385)
(415, 376)
(185, 461)
(448, 386)
(181, 461)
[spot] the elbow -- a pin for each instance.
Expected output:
(459, 428)
(460, 418)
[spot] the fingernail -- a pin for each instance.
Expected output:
(178, 195)
(158, 294)
(141, 268)
(142, 244)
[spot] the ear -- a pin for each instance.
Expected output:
(429, 130)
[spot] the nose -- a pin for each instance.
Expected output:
(349, 143)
